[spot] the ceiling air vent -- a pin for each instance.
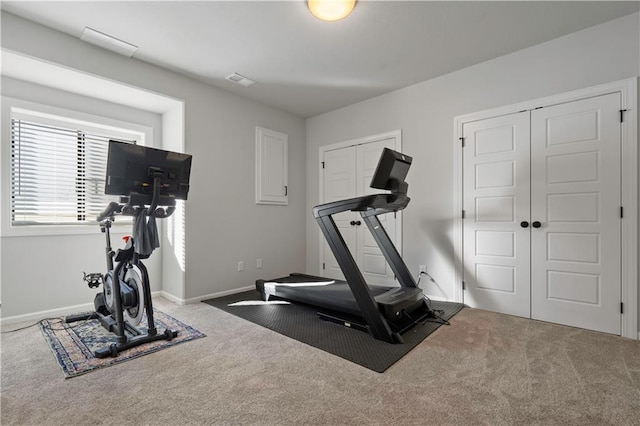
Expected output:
(240, 79)
(108, 42)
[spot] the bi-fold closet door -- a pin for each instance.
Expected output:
(347, 173)
(542, 226)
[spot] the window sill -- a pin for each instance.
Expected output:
(61, 230)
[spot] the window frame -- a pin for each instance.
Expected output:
(16, 108)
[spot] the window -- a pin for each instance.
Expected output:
(57, 168)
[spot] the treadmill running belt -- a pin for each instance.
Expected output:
(334, 297)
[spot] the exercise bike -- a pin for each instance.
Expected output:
(126, 293)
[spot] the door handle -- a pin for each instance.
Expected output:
(536, 224)
(524, 224)
(355, 223)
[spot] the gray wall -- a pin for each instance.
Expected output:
(223, 224)
(51, 266)
(425, 112)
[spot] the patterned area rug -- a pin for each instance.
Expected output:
(74, 344)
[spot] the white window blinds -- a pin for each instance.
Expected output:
(57, 173)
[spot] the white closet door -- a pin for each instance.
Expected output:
(496, 201)
(575, 195)
(339, 183)
(370, 259)
(347, 173)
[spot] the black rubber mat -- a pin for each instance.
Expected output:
(302, 323)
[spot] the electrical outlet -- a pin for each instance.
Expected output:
(259, 263)
(240, 266)
(423, 268)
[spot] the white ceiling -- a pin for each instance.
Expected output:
(307, 67)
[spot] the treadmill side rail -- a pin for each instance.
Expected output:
(386, 202)
(378, 326)
(387, 247)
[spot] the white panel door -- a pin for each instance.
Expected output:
(575, 195)
(370, 259)
(496, 201)
(542, 193)
(347, 173)
(339, 182)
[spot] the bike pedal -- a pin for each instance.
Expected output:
(93, 279)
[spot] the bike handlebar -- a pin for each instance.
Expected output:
(129, 210)
(111, 209)
(159, 206)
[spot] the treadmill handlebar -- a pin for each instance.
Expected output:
(384, 202)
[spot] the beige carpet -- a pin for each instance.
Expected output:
(484, 368)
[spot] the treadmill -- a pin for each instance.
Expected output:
(385, 312)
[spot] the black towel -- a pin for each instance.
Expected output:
(145, 233)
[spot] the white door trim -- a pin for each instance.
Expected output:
(397, 134)
(629, 174)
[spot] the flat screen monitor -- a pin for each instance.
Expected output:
(391, 172)
(130, 169)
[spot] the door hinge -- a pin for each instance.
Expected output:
(322, 265)
(323, 164)
(464, 285)
(621, 308)
(464, 214)
(462, 141)
(622, 111)
(621, 211)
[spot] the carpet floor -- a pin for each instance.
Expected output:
(483, 369)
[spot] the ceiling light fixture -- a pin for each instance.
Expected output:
(108, 42)
(331, 10)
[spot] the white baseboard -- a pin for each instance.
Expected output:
(52, 313)
(199, 299)
(219, 294)
(170, 297)
(59, 312)
(86, 307)
(439, 298)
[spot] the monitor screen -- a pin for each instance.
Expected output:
(391, 171)
(130, 170)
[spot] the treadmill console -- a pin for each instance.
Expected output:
(391, 172)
